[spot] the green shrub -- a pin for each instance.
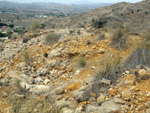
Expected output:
(99, 23)
(52, 38)
(3, 24)
(11, 26)
(42, 26)
(2, 35)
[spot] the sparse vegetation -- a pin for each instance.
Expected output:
(78, 32)
(88, 42)
(101, 36)
(119, 39)
(35, 26)
(52, 38)
(99, 23)
(26, 57)
(111, 67)
(146, 42)
(81, 62)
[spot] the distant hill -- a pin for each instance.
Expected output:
(67, 9)
(136, 15)
(85, 2)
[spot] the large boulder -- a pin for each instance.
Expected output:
(39, 89)
(107, 107)
(83, 94)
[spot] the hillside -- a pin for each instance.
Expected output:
(122, 13)
(78, 70)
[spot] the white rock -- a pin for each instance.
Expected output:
(105, 81)
(46, 81)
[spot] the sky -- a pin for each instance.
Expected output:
(72, 1)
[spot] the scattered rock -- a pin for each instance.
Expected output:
(67, 110)
(60, 90)
(74, 86)
(148, 110)
(101, 51)
(144, 74)
(46, 81)
(126, 94)
(17, 96)
(119, 100)
(83, 94)
(101, 98)
(44, 72)
(147, 104)
(39, 89)
(55, 53)
(107, 107)
(112, 91)
(62, 104)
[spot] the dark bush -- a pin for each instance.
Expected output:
(25, 40)
(88, 42)
(2, 35)
(99, 23)
(46, 55)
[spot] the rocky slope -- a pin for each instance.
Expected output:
(64, 77)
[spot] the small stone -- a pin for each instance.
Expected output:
(144, 74)
(5, 95)
(126, 94)
(112, 91)
(101, 51)
(93, 94)
(34, 76)
(17, 96)
(60, 90)
(118, 100)
(129, 82)
(46, 81)
(118, 96)
(74, 86)
(101, 98)
(127, 72)
(105, 81)
(148, 110)
(147, 104)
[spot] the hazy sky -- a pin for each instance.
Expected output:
(71, 1)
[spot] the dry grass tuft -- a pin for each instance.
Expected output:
(51, 38)
(111, 68)
(140, 56)
(119, 38)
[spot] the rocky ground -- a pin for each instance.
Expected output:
(64, 77)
